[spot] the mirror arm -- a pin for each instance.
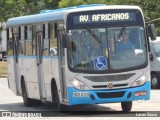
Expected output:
(151, 56)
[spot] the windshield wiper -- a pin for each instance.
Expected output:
(120, 33)
(94, 35)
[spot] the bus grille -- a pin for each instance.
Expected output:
(109, 78)
(111, 95)
(114, 86)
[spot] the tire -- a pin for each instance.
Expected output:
(126, 106)
(155, 83)
(28, 102)
(63, 108)
(55, 99)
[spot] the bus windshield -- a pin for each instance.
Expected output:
(102, 49)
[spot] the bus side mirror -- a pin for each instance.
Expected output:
(152, 32)
(151, 57)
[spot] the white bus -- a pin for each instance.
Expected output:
(155, 63)
(69, 56)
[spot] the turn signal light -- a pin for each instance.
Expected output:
(141, 93)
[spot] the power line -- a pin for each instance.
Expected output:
(153, 20)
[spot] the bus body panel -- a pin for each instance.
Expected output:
(50, 68)
(74, 95)
(56, 74)
(91, 97)
(11, 75)
(28, 70)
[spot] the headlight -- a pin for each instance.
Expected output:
(140, 81)
(79, 85)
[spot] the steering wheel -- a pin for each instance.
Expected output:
(126, 54)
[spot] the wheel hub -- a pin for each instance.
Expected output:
(154, 81)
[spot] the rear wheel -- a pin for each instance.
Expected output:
(28, 102)
(126, 106)
(155, 83)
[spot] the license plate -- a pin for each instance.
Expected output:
(80, 94)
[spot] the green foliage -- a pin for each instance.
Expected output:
(14, 8)
(71, 3)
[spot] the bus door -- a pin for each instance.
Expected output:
(39, 54)
(62, 63)
(15, 86)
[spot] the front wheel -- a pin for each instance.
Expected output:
(126, 106)
(155, 83)
(55, 99)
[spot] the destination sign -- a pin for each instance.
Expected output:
(108, 17)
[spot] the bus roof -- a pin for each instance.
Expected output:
(59, 14)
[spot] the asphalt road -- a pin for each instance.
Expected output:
(10, 102)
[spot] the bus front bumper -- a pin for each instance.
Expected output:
(76, 97)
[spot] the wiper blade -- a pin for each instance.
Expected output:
(120, 33)
(94, 35)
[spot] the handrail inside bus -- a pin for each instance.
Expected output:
(69, 8)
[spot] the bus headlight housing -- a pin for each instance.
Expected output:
(140, 81)
(79, 85)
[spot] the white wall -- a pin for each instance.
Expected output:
(3, 36)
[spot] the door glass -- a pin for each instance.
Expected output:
(16, 46)
(53, 40)
(62, 63)
(39, 47)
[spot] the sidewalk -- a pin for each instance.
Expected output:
(3, 69)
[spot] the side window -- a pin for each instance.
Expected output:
(53, 39)
(28, 40)
(46, 39)
(10, 42)
(21, 41)
(34, 40)
(16, 42)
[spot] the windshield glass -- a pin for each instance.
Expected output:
(156, 48)
(99, 49)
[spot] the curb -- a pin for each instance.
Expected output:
(3, 76)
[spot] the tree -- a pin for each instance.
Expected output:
(150, 8)
(14, 8)
(71, 3)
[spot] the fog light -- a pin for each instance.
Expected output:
(141, 93)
